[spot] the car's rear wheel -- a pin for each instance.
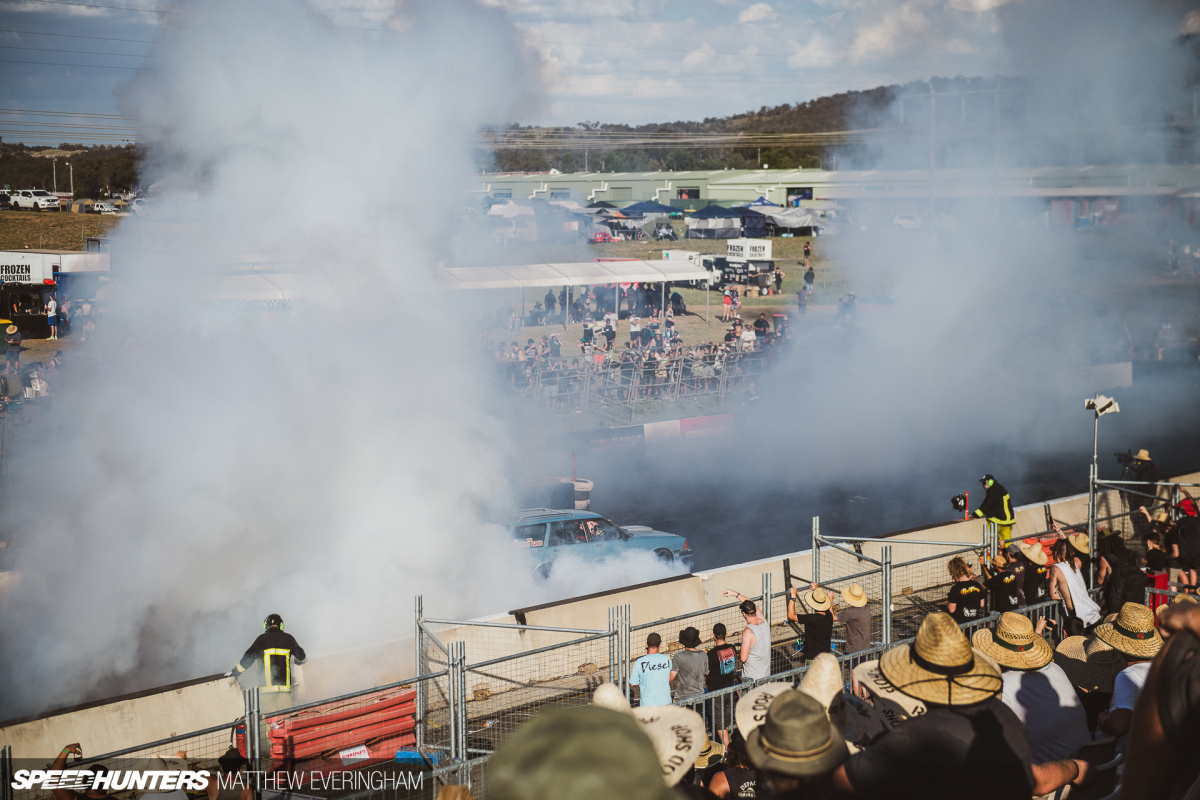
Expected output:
(543, 571)
(664, 556)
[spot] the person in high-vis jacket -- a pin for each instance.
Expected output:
(270, 661)
(997, 507)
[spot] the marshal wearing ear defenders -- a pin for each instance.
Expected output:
(274, 650)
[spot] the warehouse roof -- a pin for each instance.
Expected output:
(584, 273)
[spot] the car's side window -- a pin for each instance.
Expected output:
(562, 533)
(530, 535)
(601, 530)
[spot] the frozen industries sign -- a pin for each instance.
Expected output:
(749, 250)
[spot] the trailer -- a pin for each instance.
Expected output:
(29, 277)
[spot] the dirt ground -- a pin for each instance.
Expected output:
(49, 230)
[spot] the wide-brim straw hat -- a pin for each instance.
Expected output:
(1088, 662)
(1080, 542)
(1034, 552)
(854, 595)
(818, 599)
(677, 733)
(941, 667)
(1132, 632)
(1179, 598)
(752, 706)
(796, 738)
(11, 329)
(1143, 455)
(1014, 644)
(710, 752)
(1162, 516)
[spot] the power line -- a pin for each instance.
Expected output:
(56, 64)
(81, 52)
(75, 36)
(64, 113)
(111, 8)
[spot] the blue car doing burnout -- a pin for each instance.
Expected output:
(547, 534)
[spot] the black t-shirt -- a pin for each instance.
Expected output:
(979, 751)
(722, 667)
(610, 334)
(1005, 592)
(968, 598)
(761, 326)
(818, 633)
(1156, 560)
(1036, 584)
(555, 348)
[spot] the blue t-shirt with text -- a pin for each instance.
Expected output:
(652, 673)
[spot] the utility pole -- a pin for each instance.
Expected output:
(54, 170)
(932, 150)
(72, 170)
(759, 162)
(585, 161)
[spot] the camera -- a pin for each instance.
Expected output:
(959, 502)
(1124, 459)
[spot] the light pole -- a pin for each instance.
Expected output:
(54, 172)
(72, 171)
(1099, 405)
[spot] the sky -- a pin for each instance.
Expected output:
(613, 61)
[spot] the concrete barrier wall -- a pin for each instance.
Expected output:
(128, 723)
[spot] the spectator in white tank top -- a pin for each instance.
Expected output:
(755, 653)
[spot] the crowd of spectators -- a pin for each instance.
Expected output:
(1003, 714)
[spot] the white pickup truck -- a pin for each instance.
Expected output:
(34, 200)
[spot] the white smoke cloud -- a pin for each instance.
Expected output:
(325, 462)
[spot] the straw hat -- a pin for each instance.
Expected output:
(854, 595)
(1142, 455)
(1132, 632)
(818, 599)
(1000, 562)
(941, 667)
(1179, 598)
(1080, 542)
(1034, 552)
(796, 738)
(11, 329)
(710, 752)
(1014, 644)
(892, 703)
(677, 733)
(1088, 662)
(752, 706)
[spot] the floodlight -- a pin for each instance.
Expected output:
(1102, 405)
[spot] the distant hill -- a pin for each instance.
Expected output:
(98, 169)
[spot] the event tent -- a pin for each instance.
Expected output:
(648, 209)
(715, 222)
(762, 201)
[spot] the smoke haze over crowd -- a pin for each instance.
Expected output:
(330, 464)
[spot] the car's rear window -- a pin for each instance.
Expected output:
(530, 535)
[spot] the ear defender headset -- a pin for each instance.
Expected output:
(273, 619)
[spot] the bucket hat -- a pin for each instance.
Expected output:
(818, 599)
(1132, 632)
(1088, 662)
(586, 752)
(1014, 644)
(796, 738)
(941, 667)
(854, 595)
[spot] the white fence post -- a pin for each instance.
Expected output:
(886, 582)
(816, 550)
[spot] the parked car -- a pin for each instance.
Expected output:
(546, 535)
(601, 238)
(104, 208)
(34, 200)
(908, 221)
(5, 201)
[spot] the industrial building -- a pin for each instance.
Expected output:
(1062, 195)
